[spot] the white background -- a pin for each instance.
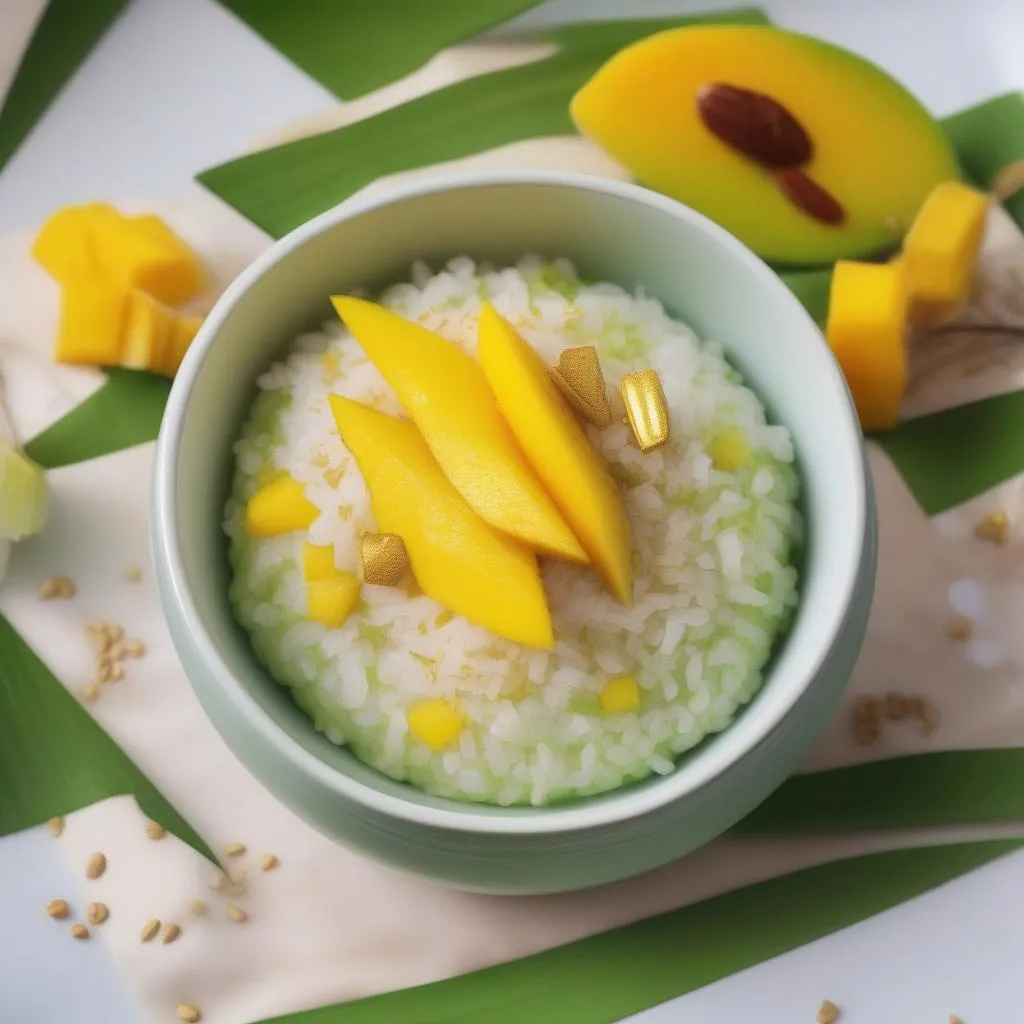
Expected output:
(178, 86)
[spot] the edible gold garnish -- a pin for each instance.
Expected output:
(994, 527)
(580, 378)
(385, 560)
(646, 408)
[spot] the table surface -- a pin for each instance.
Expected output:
(180, 85)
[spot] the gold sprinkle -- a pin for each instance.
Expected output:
(235, 849)
(149, 930)
(188, 1013)
(385, 560)
(994, 527)
(198, 907)
(960, 628)
(58, 909)
(97, 913)
(133, 573)
(171, 932)
(134, 649)
(154, 830)
(580, 378)
(828, 1012)
(237, 914)
(79, 931)
(268, 862)
(1009, 181)
(55, 826)
(90, 693)
(95, 866)
(646, 408)
(56, 587)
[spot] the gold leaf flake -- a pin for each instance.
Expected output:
(646, 408)
(385, 560)
(580, 378)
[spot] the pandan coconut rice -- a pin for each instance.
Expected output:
(427, 696)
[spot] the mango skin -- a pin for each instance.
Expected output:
(457, 558)
(445, 392)
(558, 449)
(876, 149)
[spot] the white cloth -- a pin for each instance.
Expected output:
(328, 925)
(18, 20)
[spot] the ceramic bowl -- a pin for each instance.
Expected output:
(613, 232)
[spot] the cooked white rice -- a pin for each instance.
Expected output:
(711, 560)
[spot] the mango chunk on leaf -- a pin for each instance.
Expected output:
(445, 392)
(331, 601)
(866, 330)
(558, 449)
(93, 313)
(435, 722)
(457, 558)
(941, 249)
(756, 127)
(279, 507)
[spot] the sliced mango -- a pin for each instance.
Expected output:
(446, 394)
(148, 330)
(620, 695)
(279, 507)
(867, 319)
(92, 317)
(317, 562)
(558, 449)
(941, 250)
(64, 247)
(435, 722)
(458, 559)
(331, 601)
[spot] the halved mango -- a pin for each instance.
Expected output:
(446, 394)
(458, 559)
(873, 147)
(92, 318)
(559, 451)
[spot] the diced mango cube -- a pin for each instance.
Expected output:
(317, 562)
(148, 330)
(330, 601)
(137, 253)
(866, 328)
(279, 507)
(92, 318)
(435, 722)
(729, 449)
(64, 247)
(620, 695)
(941, 250)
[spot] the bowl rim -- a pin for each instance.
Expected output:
(742, 736)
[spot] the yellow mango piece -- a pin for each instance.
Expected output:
(138, 253)
(558, 449)
(620, 695)
(446, 394)
(92, 317)
(867, 319)
(64, 247)
(869, 143)
(317, 562)
(729, 449)
(941, 250)
(148, 330)
(435, 722)
(182, 336)
(279, 507)
(331, 601)
(458, 559)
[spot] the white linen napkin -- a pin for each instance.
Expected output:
(18, 20)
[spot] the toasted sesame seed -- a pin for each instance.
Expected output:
(154, 830)
(237, 914)
(79, 931)
(133, 573)
(929, 718)
(134, 649)
(198, 907)
(116, 652)
(171, 932)
(828, 1012)
(96, 865)
(90, 693)
(149, 930)
(96, 627)
(896, 706)
(954, 1019)
(56, 586)
(116, 672)
(58, 909)
(55, 826)
(104, 668)
(268, 862)
(97, 913)
(960, 628)
(234, 849)
(188, 1013)
(114, 633)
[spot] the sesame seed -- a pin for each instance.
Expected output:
(97, 913)
(154, 830)
(90, 693)
(960, 628)
(79, 931)
(828, 1012)
(268, 862)
(55, 826)
(188, 1013)
(95, 866)
(133, 573)
(234, 849)
(237, 914)
(58, 909)
(171, 932)
(149, 930)
(198, 907)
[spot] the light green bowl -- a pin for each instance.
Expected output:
(613, 232)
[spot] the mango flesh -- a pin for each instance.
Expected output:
(330, 601)
(876, 150)
(92, 318)
(445, 392)
(280, 506)
(63, 247)
(435, 722)
(458, 559)
(867, 321)
(149, 328)
(558, 449)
